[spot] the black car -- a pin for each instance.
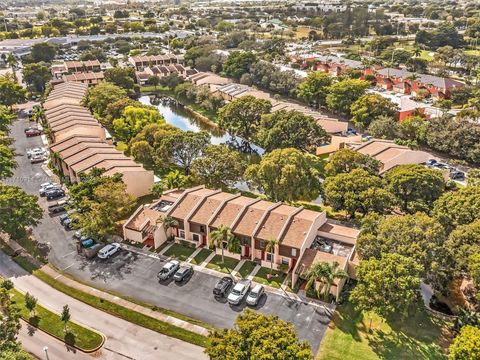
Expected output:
(69, 223)
(457, 175)
(222, 287)
(54, 194)
(184, 273)
(55, 209)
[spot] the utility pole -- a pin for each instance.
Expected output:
(45, 348)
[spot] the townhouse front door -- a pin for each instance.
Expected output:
(247, 251)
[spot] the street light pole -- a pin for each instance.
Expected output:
(45, 348)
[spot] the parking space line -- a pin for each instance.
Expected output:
(69, 266)
(73, 252)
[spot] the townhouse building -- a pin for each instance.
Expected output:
(141, 62)
(304, 236)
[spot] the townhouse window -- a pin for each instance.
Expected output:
(269, 257)
(202, 228)
(245, 241)
(294, 252)
(285, 261)
(181, 234)
(262, 244)
(195, 237)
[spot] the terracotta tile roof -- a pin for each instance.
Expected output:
(187, 203)
(98, 161)
(252, 216)
(76, 149)
(312, 256)
(208, 207)
(230, 210)
(274, 222)
(298, 228)
(72, 141)
(87, 152)
(340, 230)
(144, 218)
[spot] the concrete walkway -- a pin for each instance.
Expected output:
(238, 267)
(254, 272)
(207, 260)
(124, 339)
(164, 250)
(190, 258)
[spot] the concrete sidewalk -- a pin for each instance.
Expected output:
(125, 303)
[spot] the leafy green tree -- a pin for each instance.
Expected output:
(182, 148)
(11, 92)
(223, 238)
(9, 324)
(142, 152)
(413, 128)
(474, 269)
(342, 94)
(326, 274)
(415, 186)
(134, 119)
(219, 167)
(175, 180)
(387, 286)
(7, 162)
(242, 117)
(36, 76)
(458, 207)
(346, 160)
(238, 63)
(157, 189)
(369, 107)
(314, 88)
(466, 346)
(99, 97)
(473, 177)
(65, 316)
(286, 175)
(290, 129)
(384, 127)
(30, 302)
(122, 77)
(154, 81)
(417, 236)
(17, 210)
(357, 191)
(6, 119)
(261, 337)
(43, 52)
(463, 242)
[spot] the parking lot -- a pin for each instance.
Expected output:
(135, 275)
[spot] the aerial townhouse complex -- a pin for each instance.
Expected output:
(80, 143)
(304, 236)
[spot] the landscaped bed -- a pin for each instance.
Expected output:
(180, 252)
(226, 267)
(201, 256)
(76, 335)
(275, 281)
(348, 337)
(247, 268)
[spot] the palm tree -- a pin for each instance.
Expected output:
(174, 179)
(223, 237)
(326, 274)
(270, 247)
(168, 222)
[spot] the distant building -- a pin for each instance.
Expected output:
(142, 62)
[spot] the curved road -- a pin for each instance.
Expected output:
(124, 340)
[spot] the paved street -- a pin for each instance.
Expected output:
(134, 275)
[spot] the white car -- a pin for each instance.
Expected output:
(35, 152)
(44, 188)
(168, 270)
(108, 250)
(255, 294)
(238, 292)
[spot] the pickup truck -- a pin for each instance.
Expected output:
(168, 270)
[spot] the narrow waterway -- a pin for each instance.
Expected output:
(181, 118)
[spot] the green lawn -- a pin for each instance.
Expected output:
(180, 252)
(347, 337)
(201, 256)
(247, 268)
(124, 313)
(225, 267)
(275, 281)
(51, 323)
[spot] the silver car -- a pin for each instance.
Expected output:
(238, 292)
(255, 295)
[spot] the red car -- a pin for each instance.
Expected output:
(33, 132)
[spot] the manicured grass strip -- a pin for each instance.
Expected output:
(124, 313)
(25, 263)
(275, 281)
(225, 267)
(247, 268)
(76, 335)
(348, 337)
(201, 256)
(180, 252)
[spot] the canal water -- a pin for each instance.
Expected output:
(178, 116)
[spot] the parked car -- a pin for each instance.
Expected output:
(69, 222)
(78, 234)
(457, 175)
(223, 286)
(255, 295)
(33, 132)
(108, 250)
(33, 127)
(54, 194)
(238, 292)
(183, 273)
(64, 217)
(47, 187)
(37, 159)
(57, 207)
(431, 162)
(168, 270)
(441, 166)
(35, 152)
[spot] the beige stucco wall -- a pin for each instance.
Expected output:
(132, 235)
(139, 183)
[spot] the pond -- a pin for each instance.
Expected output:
(180, 117)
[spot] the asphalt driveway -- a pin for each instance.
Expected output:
(134, 275)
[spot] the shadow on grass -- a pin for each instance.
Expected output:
(34, 320)
(349, 320)
(70, 338)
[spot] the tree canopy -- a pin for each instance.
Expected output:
(11, 92)
(463, 242)
(286, 175)
(36, 76)
(466, 346)
(290, 129)
(369, 107)
(98, 98)
(345, 160)
(342, 94)
(314, 88)
(257, 336)
(123, 77)
(134, 119)
(238, 63)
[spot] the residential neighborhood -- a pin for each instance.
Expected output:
(233, 180)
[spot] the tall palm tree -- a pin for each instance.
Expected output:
(168, 222)
(325, 273)
(270, 247)
(223, 237)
